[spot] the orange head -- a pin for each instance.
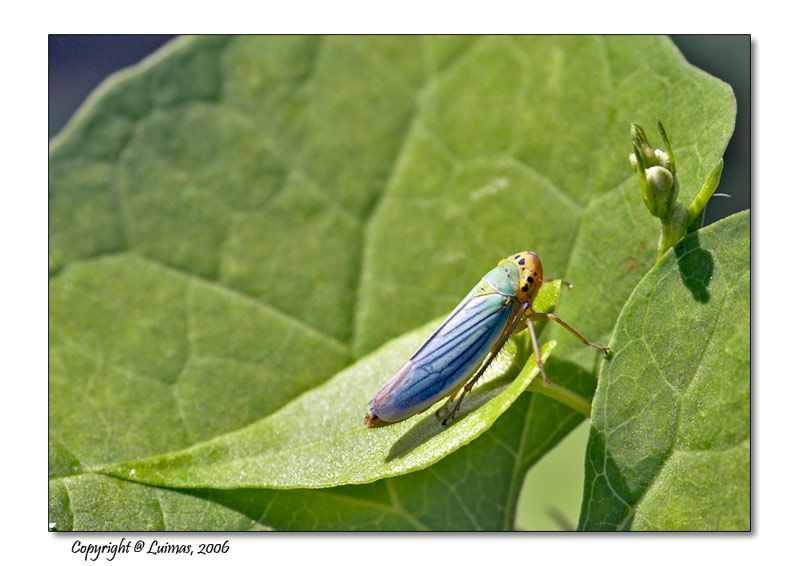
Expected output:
(531, 274)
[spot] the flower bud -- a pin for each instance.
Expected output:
(659, 185)
(634, 162)
(656, 173)
(662, 158)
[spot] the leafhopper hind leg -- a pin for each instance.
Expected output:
(538, 361)
(465, 389)
(443, 407)
(549, 316)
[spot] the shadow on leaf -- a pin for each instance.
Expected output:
(431, 426)
(695, 265)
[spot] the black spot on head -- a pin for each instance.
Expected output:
(524, 288)
(534, 273)
(530, 279)
(517, 256)
(521, 261)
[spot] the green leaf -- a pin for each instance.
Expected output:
(236, 220)
(91, 502)
(669, 443)
(319, 440)
(145, 360)
(460, 492)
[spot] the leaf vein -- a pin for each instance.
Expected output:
(456, 494)
(673, 447)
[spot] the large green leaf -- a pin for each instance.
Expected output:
(669, 442)
(236, 220)
(318, 440)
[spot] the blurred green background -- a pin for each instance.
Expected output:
(550, 498)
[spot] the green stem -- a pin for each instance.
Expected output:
(672, 227)
(563, 395)
(711, 183)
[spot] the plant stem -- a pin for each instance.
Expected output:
(708, 188)
(563, 395)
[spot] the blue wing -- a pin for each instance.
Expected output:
(447, 359)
